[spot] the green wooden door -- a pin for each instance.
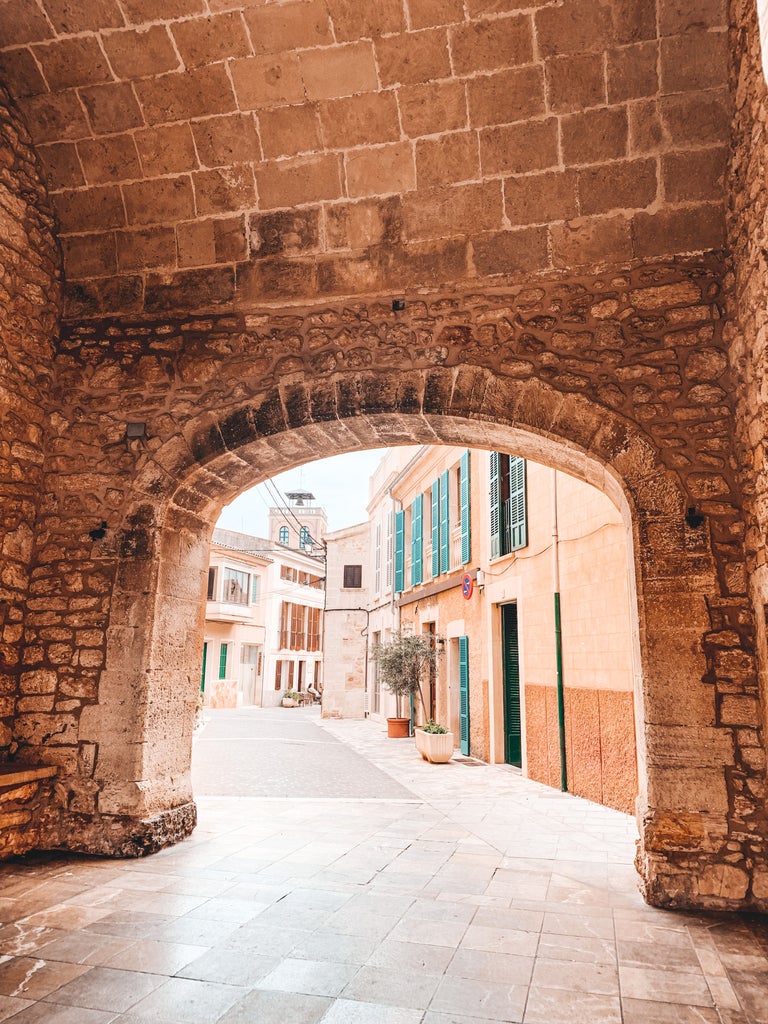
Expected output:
(513, 740)
(464, 694)
(202, 671)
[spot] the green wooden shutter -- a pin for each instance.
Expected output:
(255, 580)
(202, 671)
(495, 505)
(417, 549)
(513, 737)
(464, 693)
(436, 528)
(223, 661)
(445, 527)
(399, 552)
(466, 545)
(518, 522)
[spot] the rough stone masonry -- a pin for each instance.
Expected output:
(206, 209)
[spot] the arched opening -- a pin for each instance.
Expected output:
(142, 722)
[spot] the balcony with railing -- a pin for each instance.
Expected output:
(228, 611)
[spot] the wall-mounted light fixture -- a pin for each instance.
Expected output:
(133, 431)
(398, 305)
(480, 579)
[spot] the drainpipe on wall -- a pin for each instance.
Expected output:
(558, 638)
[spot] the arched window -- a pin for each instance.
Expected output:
(283, 535)
(304, 539)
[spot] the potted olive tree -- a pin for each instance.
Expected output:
(403, 662)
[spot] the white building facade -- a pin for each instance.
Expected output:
(264, 612)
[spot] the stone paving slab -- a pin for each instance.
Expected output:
(272, 752)
(467, 895)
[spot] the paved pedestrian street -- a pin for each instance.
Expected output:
(336, 877)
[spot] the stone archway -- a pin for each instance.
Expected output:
(241, 399)
(221, 293)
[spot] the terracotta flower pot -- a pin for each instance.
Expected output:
(435, 747)
(398, 728)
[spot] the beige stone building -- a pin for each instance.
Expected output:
(481, 545)
(346, 665)
(235, 241)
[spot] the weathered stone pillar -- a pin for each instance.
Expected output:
(29, 313)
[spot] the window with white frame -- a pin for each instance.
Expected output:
(236, 586)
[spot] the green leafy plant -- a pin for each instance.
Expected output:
(433, 727)
(403, 662)
(290, 695)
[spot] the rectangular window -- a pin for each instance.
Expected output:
(377, 560)
(353, 576)
(236, 586)
(435, 517)
(223, 656)
(518, 525)
(211, 584)
(298, 627)
(285, 611)
(464, 508)
(509, 521)
(399, 552)
(390, 563)
(417, 544)
(445, 521)
(313, 629)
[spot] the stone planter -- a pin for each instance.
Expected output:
(435, 747)
(398, 728)
(288, 702)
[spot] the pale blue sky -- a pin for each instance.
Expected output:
(339, 483)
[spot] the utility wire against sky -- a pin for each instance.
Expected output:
(341, 479)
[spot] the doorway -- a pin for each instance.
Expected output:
(510, 654)
(249, 673)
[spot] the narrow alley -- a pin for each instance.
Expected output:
(336, 877)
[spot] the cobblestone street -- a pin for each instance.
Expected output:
(337, 878)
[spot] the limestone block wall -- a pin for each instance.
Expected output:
(748, 326)
(626, 367)
(28, 808)
(29, 310)
(312, 147)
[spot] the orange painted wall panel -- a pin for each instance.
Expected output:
(600, 743)
(619, 753)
